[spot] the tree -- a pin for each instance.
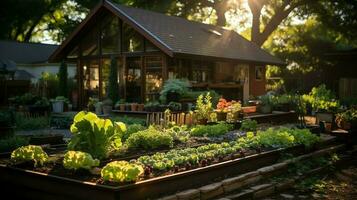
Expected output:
(113, 90)
(63, 76)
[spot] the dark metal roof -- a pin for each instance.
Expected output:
(182, 36)
(177, 36)
(26, 53)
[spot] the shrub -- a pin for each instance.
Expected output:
(121, 171)
(30, 153)
(150, 138)
(321, 99)
(211, 130)
(79, 160)
(178, 86)
(95, 136)
(249, 125)
(133, 128)
(12, 143)
(303, 136)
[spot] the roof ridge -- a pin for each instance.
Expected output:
(26, 42)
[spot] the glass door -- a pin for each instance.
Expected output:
(90, 80)
(153, 77)
(133, 79)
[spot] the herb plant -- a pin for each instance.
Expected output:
(79, 160)
(94, 135)
(30, 153)
(121, 171)
(150, 138)
(203, 107)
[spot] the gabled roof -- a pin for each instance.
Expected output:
(25, 53)
(177, 36)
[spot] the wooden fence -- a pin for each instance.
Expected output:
(164, 118)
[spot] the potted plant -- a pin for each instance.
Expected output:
(235, 109)
(91, 104)
(348, 119)
(120, 105)
(203, 108)
(99, 108)
(265, 105)
(58, 104)
(222, 109)
(107, 106)
(6, 124)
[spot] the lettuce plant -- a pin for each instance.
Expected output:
(94, 135)
(249, 125)
(211, 130)
(150, 138)
(79, 160)
(121, 171)
(30, 153)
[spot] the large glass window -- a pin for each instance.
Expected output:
(133, 79)
(132, 40)
(90, 79)
(90, 43)
(153, 77)
(106, 72)
(110, 35)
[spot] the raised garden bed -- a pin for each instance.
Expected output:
(32, 184)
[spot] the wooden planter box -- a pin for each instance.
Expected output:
(249, 109)
(36, 185)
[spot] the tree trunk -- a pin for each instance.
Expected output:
(256, 8)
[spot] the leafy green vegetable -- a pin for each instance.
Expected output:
(249, 125)
(121, 171)
(95, 136)
(150, 138)
(133, 128)
(211, 130)
(77, 160)
(30, 153)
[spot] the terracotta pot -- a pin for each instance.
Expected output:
(328, 127)
(140, 107)
(122, 107)
(134, 107)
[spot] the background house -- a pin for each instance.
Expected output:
(22, 64)
(152, 47)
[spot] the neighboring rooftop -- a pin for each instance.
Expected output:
(25, 53)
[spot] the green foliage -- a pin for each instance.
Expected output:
(31, 123)
(43, 101)
(113, 90)
(203, 106)
(349, 115)
(121, 171)
(195, 94)
(175, 106)
(30, 153)
(284, 137)
(211, 130)
(249, 125)
(61, 98)
(178, 133)
(321, 99)
(79, 160)
(11, 143)
(150, 138)
(94, 135)
(132, 128)
(63, 78)
(276, 139)
(129, 120)
(178, 86)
